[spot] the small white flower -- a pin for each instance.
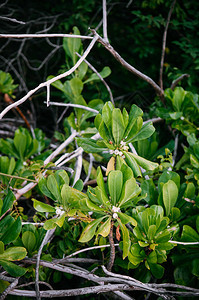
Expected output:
(182, 118)
(111, 152)
(120, 153)
(146, 242)
(116, 152)
(125, 148)
(25, 163)
(115, 216)
(115, 209)
(59, 211)
(123, 143)
(123, 156)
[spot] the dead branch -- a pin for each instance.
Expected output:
(164, 44)
(175, 82)
(126, 65)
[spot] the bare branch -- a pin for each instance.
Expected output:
(112, 246)
(90, 167)
(126, 65)
(9, 289)
(175, 82)
(88, 249)
(48, 235)
(78, 168)
(105, 35)
(101, 78)
(74, 105)
(12, 20)
(31, 185)
(73, 292)
(45, 35)
(184, 243)
(164, 44)
(44, 84)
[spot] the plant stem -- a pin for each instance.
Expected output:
(112, 248)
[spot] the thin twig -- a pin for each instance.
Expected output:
(164, 44)
(12, 20)
(74, 105)
(45, 35)
(90, 167)
(88, 249)
(50, 81)
(31, 185)
(175, 82)
(101, 78)
(9, 289)
(78, 167)
(184, 243)
(175, 150)
(105, 35)
(48, 235)
(16, 177)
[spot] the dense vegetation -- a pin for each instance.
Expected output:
(103, 183)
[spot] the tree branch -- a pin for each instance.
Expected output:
(164, 44)
(45, 35)
(126, 65)
(46, 83)
(175, 82)
(105, 35)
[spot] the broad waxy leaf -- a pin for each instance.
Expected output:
(29, 240)
(7, 202)
(170, 195)
(144, 163)
(42, 207)
(53, 187)
(146, 131)
(134, 114)
(126, 239)
(72, 45)
(89, 231)
(131, 162)
(13, 269)
(11, 232)
(13, 253)
(118, 126)
(89, 145)
(125, 219)
(115, 183)
(130, 191)
(105, 228)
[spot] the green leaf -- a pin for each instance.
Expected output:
(13, 253)
(8, 201)
(105, 228)
(12, 232)
(53, 187)
(29, 240)
(126, 239)
(76, 86)
(89, 231)
(131, 162)
(89, 145)
(178, 98)
(125, 219)
(50, 224)
(134, 115)
(12, 269)
(93, 207)
(20, 142)
(174, 214)
(72, 45)
(170, 195)
(129, 192)
(43, 188)
(157, 270)
(107, 116)
(144, 163)
(118, 126)
(82, 70)
(106, 71)
(151, 232)
(146, 131)
(115, 183)
(42, 207)
(189, 234)
(1, 247)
